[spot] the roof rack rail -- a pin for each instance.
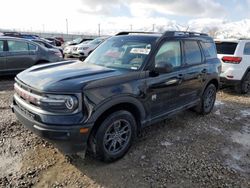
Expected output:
(244, 39)
(135, 32)
(182, 33)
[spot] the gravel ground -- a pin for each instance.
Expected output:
(187, 150)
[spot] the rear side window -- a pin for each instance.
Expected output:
(1, 46)
(209, 50)
(32, 47)
(226, 47)
(192, 52)
(18, 46)
(247, 49)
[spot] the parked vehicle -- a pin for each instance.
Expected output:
(76, 41)
(54, 41)
(235, 59)
(130, 81)
(82, 51)
(68, 51)
(20, 35)
(60, 39)
(17, 54)
(48, 45)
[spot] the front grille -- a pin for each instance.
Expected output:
(26, 94)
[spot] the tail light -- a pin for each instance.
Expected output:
(59, 54)
(233, 60)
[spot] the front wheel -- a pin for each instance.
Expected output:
(207, 100)
(115, 136)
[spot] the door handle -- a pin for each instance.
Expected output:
(172, 82)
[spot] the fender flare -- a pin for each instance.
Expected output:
(113, 101)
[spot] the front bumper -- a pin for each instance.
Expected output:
(66, 138)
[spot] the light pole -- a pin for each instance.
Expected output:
(99, 30)
(131, 27)
(153, 27)
(67, 26)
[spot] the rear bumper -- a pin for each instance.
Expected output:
(66, 138)
(226, 82)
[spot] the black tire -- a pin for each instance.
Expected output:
(207, 100)
(244, 87)
(114, 139)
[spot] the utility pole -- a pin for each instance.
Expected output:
(131, 27)
(43, 28)
(99, 30)
(67, 26)
(153, 27)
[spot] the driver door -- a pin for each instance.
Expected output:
(163, 88)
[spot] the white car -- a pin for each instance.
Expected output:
(83, 50)
(235, 58)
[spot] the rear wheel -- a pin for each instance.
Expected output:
(244, 87)
(115, 136)
(207, 100)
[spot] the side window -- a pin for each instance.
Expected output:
(192, 52)
(32, 47)
(17, 46)
(1, 46)
(169, 53)
(247, 49)
(209, 50)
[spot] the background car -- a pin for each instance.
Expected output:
(68, 50)
(83, 51)
(54, 41)
(235, 59)
(75, 41)
(17, 54)
(48, 45)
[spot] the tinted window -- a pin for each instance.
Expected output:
(169, 53)
(209, 50)
(32, 47)
(192, 52)
(226, 47)
(247, 49)
(1, 45)
(17, 46)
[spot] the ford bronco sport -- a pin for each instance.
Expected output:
(130, 81)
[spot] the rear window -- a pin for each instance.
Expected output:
(247, 49)
(209, 50)
(226, 47)
(192, 52)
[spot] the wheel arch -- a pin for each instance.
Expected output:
(129, 104)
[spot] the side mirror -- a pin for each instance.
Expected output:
(163, 67)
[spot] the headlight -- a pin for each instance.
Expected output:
(59, 103)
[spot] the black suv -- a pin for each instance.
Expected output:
(130, 81)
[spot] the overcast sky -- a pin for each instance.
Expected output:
(85, 15)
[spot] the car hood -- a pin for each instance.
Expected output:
(67, 76)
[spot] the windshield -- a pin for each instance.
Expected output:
(77, 41)
(120, 53)
(96, 41)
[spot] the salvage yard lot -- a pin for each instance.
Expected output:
(187, 150)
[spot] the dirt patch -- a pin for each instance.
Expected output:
(187, 150)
